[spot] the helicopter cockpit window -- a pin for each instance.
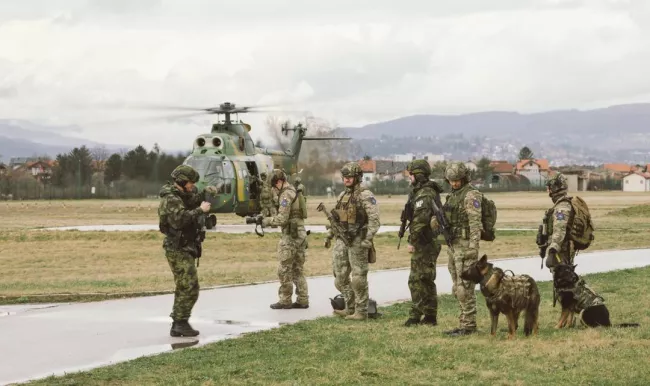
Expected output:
(199, 164)
(215, 176)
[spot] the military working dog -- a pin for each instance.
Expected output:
(508, 295)
(577, 298)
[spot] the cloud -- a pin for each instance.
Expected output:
(348, 62)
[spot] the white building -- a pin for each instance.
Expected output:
(636, 182)
(408, 157)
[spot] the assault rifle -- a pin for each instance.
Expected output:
(542, 242)
(442, 221)
(335, 225)
(407, 214)
(257, 220)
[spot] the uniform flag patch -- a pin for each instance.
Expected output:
(373, 201)
(560, 216)
(284, 202)
(476, 204)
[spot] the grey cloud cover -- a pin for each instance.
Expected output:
(349, 62)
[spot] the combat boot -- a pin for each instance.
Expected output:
(460, 332)
(343, 313)
(357, 316)
(430, 320)
(182, 328)
(280, 306)
(298, 305)
(412, 322)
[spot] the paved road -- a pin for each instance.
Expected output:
(42, 340)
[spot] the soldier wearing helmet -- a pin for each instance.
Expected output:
(560, 249)
(357, 213)
(266, 197)
(292, 248)
(182, 216)
(423, 244)
(463, 212)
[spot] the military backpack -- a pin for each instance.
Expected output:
(581, 228)
(488, 218)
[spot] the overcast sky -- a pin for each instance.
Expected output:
(351, 62)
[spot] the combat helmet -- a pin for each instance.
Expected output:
(278, 175)
(457, 171)
(419, 166)
(352, 169)
(558, 184)
(184, 174)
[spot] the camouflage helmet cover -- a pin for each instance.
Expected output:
(419, 166)
(297, 180)
(185, 173)
(351, 169)
(557, 183)
(457, 171)
(278, 175)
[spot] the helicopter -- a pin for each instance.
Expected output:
(228, 159)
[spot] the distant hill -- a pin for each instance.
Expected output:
(20, 138)
(614, 128)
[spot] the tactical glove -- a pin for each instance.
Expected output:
(211, 190)
(328, 242)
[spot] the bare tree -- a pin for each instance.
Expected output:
(100, 153)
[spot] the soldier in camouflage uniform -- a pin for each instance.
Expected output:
(423, 245)
(182, 215)
(292, 246)
(560, 248)
(358, 215)
(297, 182)
(463, 212)
(266, 198)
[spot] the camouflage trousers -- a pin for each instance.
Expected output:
(463, 290)
(422, 280)
(350, 267)
(291, 262)
(187, 283)
(268, 210)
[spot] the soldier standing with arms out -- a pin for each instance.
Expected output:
(292, 246)
(182, 215)
(463, 213)
(266, 197)
(357, 212)
(423, 245)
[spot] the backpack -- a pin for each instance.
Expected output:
(581, 228)
(488, 218)
(302, 202)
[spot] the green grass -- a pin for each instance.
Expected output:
(633, 211)
(332, 351)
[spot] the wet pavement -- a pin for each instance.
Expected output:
(45, 339)
(221, 228)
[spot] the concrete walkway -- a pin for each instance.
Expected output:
(42, 340)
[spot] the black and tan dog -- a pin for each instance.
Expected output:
(577, 298)
(508, 295)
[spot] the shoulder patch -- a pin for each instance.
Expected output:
(476, 203)
(419, 203)
(284, 202)
(560, 216)
(372, 200)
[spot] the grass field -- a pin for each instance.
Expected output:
(42, 266)
(333, 351)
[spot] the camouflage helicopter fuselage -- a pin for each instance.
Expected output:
(228, 159)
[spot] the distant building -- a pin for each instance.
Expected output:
(3, 169)
(535, 170)
(502, 168)
(618, 169)
(636, 182)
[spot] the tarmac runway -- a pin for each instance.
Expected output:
(53, 339)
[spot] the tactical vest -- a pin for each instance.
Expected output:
(188, 238)
(295, 215)
(584, 296)
(456, 214)
(349, 212)
(423, 193)
(514, 290)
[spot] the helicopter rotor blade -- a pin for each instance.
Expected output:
(145, 119)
